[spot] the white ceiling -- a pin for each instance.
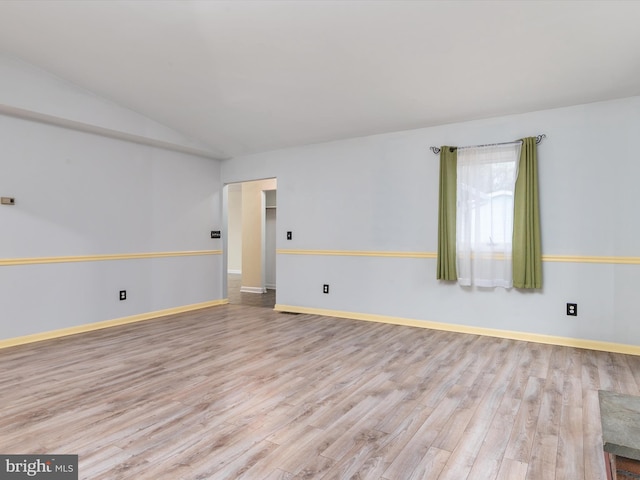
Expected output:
(250, 76)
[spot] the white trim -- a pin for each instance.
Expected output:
(271, 286)
(234, 271)
(252, 290)
(434, 255)
(451, 327)
(263, 241)
(89, 327)
(103, 257)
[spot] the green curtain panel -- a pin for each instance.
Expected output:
(527, 252)
(446, 265)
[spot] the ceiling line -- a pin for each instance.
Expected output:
(102, 131)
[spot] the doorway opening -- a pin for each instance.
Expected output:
(251, 211)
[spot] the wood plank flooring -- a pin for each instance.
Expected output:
(237, 392)
(236, 297)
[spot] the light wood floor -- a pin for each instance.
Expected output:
(243, 392)
(236, 297)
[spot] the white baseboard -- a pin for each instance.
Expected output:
(252, 290)
(271, 286)
(447, 327)
(89, 327)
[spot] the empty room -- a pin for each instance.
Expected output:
(385, 240)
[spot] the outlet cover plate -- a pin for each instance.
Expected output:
(572, 309)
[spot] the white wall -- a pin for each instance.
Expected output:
(83, 194)
(24, 86)
(253, 233)
(270, 237)
(234, 226)
(380, 193)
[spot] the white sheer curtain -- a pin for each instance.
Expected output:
(484, 216)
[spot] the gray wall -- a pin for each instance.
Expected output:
(83, 194)
(234, 228)
(380, 193)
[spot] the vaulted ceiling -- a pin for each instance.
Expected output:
(249, 76)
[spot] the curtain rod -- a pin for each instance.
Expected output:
(436, 150)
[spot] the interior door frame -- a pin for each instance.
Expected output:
(225, 235)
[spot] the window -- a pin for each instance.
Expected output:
(486, 179)
(494, 225)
